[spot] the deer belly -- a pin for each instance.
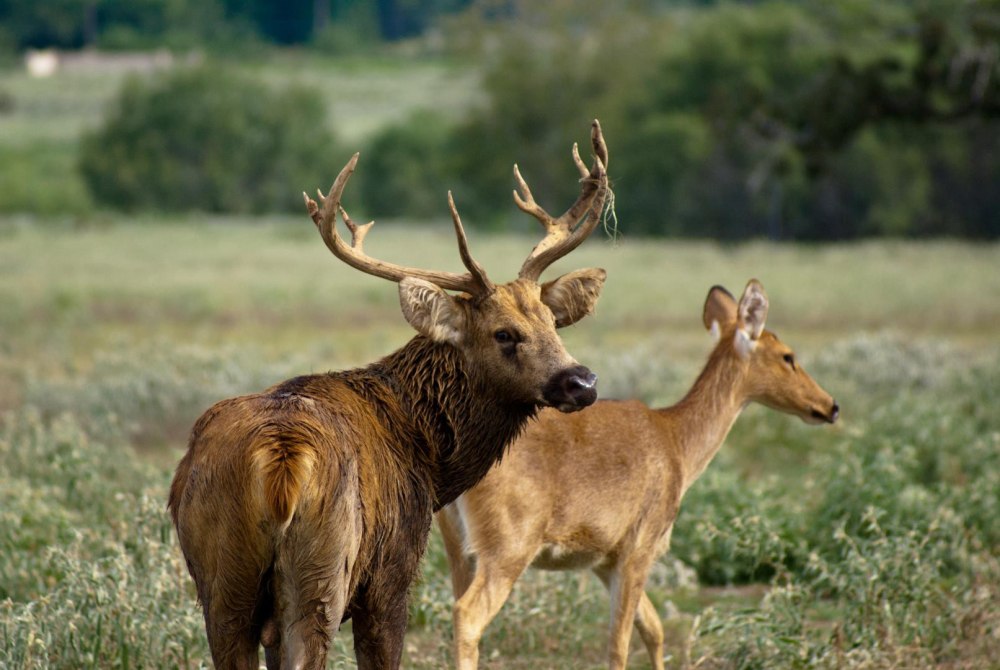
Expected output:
(560, 557)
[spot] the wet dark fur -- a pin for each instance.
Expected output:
(312, 501)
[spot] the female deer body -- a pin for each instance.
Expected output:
(309, 503)
(601, 489)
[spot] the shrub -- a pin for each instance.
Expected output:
(32, 174)
(207, 139)
(405, 168)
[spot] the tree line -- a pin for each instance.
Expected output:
(813, 120)
(818, 119)
(73, 24)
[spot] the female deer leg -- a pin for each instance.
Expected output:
(481, 601)
(461, 566)
(625, 584)
(647, 620)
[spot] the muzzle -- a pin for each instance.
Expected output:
(571, 389)
(829, 417)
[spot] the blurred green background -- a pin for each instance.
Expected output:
(155, 258)
(809, 120)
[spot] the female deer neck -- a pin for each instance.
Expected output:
(704, 417)
(461, 427)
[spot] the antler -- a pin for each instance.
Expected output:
(560, 235)
(324, 215)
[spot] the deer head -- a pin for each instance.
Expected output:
(507, 332)
(773, 376)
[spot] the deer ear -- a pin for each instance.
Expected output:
(719, 311)
(573, 295)
(753, 309)
(430, 310)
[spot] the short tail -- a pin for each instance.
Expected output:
(285, 462)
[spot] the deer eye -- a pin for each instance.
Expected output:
(790, 359)
(503, 336)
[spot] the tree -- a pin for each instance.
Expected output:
(208, 139)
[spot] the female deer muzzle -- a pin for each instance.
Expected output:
(828, 417)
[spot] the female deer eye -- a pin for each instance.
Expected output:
(503, 336)
(790, 359)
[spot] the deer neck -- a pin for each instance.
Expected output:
(461, 428)
(701, 421)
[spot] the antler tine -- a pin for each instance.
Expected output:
(325, 218)
(475, 269)
(561, 237)
(526, 202)
(357, 232)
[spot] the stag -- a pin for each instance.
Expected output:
(310, 503)
(601, 489)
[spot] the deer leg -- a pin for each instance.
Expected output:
(380, 608)
(460, 565)
(378, 633)
(312, 578)
(272, 658)
(647, 620)
(486, 594)
(625, 583)
(380, 612)
(312, 596)
(230, 599)
(231, 639)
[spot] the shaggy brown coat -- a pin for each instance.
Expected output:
(311, 502)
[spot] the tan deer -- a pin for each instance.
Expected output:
(601, 489)
(309, 503)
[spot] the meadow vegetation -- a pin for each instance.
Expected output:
(871, 543)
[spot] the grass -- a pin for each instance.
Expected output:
(869, 544)
(157, 271)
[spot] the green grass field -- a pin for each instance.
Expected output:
(871, 543)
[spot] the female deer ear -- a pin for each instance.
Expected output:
(753, 309)
(430, 310)
(573, 295)
(719, 311)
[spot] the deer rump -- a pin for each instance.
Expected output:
(289, 536)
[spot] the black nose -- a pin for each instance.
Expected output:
(829, 418)
(571, 389)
